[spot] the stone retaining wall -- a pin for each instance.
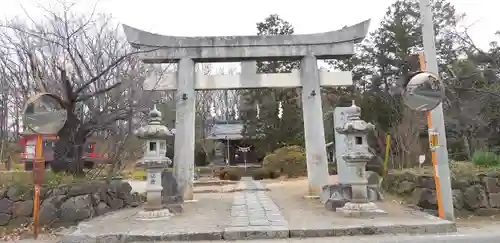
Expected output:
(65, 204)
(479, 194)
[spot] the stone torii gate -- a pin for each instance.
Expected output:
(307, 48)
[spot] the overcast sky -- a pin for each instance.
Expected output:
(238, 17)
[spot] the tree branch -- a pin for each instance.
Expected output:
(84, 97)
(109, 67)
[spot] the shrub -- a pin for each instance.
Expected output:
(274, 174)
(332, 168)
(232, 174)
(265, 173)
(260, 174)
(200, 158)
(290, 160)
(456, 150)
(485, 159)
(376, 165)
(25, 178)
(139, 175)
(271, 162)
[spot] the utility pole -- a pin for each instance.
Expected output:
(436, 127)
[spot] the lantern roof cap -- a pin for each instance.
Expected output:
(155, 114)
(354, 123)
(154, 129)
(353, 111)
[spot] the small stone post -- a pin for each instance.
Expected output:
(155, 161)
(356, 157)
(339, 119)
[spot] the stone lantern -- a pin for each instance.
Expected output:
(155, 161)
(356, 158)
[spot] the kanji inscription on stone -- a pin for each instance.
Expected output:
(153, 177)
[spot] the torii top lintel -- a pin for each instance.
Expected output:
(328, 45)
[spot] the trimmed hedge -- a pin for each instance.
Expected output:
(290, 161)
(231, 174)
(265, 173)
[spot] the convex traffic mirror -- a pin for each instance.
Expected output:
(44, 114)
(423, 92)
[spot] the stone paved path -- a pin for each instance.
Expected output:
(254, 214)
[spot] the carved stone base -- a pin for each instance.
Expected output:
(361, 210)
(337, 195)
(162, 214)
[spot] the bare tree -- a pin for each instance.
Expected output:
(4, 118)
(83, 60)
(225, 100)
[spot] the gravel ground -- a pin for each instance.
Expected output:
(209, 214)
(302, 212)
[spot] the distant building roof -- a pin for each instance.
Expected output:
(228, 129)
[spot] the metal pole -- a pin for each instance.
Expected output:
(245, 159)
(38, 169)
(436, 119)
(386, 157)
(228, 156)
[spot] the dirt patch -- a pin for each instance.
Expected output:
(301, 212)
(19, 233)
(288, 190)
(213, 182)
(209, 214)
(297, 185)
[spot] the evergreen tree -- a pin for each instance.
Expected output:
(276, 132)
(381, 61)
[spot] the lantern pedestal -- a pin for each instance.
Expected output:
(359, 205)
(153, 189)
(356, 164)
(154, 208)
